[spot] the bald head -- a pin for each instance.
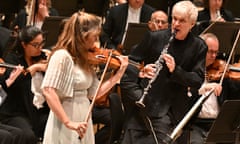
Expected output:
(159, 20)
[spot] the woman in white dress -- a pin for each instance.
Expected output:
(70, 81)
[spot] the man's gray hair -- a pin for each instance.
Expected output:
(188, 7)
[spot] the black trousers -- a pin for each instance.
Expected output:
(102, 115)
(22, 124)
(10, 135)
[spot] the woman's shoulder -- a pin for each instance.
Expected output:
(61, 53)
(61, 56)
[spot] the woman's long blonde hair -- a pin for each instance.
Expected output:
(73, 37)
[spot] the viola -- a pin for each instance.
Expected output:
(98, 56)
(215, 71)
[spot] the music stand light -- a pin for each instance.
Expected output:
(226, 128)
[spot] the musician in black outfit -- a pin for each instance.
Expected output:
(214, 11)
(169, 97)
(10, 134)
(18, 110)
(115, 26)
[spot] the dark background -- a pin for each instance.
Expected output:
(66, 7)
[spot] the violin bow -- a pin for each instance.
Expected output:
(96, 92)
(178, 129)
(229, 58)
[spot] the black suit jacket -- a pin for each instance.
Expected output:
(114, 27)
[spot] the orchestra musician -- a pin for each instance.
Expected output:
(211, 107)
(158, 21)
(10, 134)
(115, 26)
(70, 81)
(18, 109)
(214, 11)
(34, 13)
(181, 70)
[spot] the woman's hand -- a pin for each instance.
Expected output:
(14, 74)
(38, 67)
(124, 61)
(79, 127)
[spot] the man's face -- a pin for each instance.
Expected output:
(213, 47)
(136, 3)
(181, 23)
(158, 21)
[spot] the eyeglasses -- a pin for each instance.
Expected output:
(213, 52)
(159, 21)
(38, 45)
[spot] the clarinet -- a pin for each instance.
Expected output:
(159, 66)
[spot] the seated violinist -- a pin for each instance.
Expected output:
(211, 107)
(18, 109)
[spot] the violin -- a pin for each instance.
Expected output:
(4, 65)
(215, 71)
(98, 56)
(234, 71)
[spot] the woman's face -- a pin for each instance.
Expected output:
(34, 47)
(91, 39)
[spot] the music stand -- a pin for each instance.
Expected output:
(226, 33)
(51, 26)
(134, 35)
(226, 127)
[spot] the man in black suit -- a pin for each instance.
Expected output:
(169, 96)
(117, 19)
